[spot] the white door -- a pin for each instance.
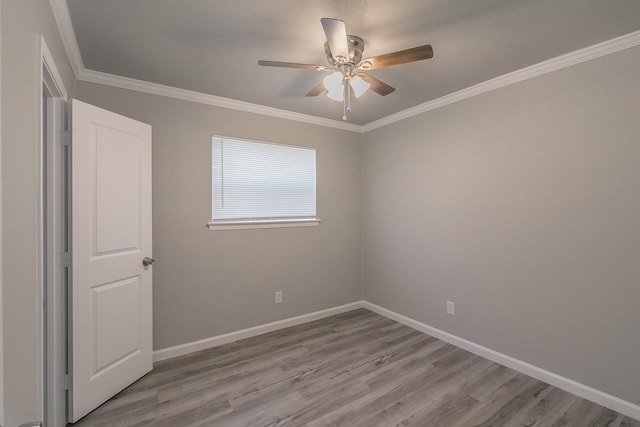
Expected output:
(111, 315)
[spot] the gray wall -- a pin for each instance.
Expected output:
(208, 283)
(522, 205)
(21, 21)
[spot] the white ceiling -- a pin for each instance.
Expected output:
(213, 46)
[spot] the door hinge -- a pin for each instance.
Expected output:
(65, 138)
(67, 382)
(65, 259)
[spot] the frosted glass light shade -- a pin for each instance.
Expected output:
(333, 83)
(359, 86)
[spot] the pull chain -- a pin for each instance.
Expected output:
(344, 97)
(347, 88)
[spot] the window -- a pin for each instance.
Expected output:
(255, 184)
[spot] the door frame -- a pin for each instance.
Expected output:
(1, 256)
(51, 235)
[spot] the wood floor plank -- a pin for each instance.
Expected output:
(353, 369)
(522, 399)
(629, 422)
(444, 412)
(550, 408)
(412, 396)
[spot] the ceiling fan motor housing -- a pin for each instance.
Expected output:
(356, 48)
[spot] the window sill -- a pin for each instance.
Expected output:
(271, 223)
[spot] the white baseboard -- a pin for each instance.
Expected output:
(584, 391)
(182, 349)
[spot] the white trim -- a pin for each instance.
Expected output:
(563, 61)
(40, 260)
(63, 19)
(50, 361)
(54, 80)
(1, 257)
(203, 98)
(182, 349)
(244, 225)
(56, 278)
(584, 391)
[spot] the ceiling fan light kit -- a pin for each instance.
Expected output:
(344, 54)
(334, 84)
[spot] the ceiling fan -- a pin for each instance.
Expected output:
(344, 53)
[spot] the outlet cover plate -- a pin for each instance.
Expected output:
(451, 307)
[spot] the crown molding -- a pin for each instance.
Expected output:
(63, 19)
(203, 98)
(563, 61)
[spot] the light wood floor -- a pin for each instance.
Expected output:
(353, 369)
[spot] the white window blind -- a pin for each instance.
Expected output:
(254, 182)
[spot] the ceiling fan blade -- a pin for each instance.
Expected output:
(377, 86)
(401, 57)
(316, 90)
(293, 65)
(336, 32)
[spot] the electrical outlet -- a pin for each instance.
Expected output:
(451, 307)
(278, 297)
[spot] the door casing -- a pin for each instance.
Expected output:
(51, 240)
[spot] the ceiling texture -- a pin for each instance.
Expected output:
(213, 46)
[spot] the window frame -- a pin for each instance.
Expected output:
(251, 223)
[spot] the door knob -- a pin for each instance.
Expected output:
(148, 261)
